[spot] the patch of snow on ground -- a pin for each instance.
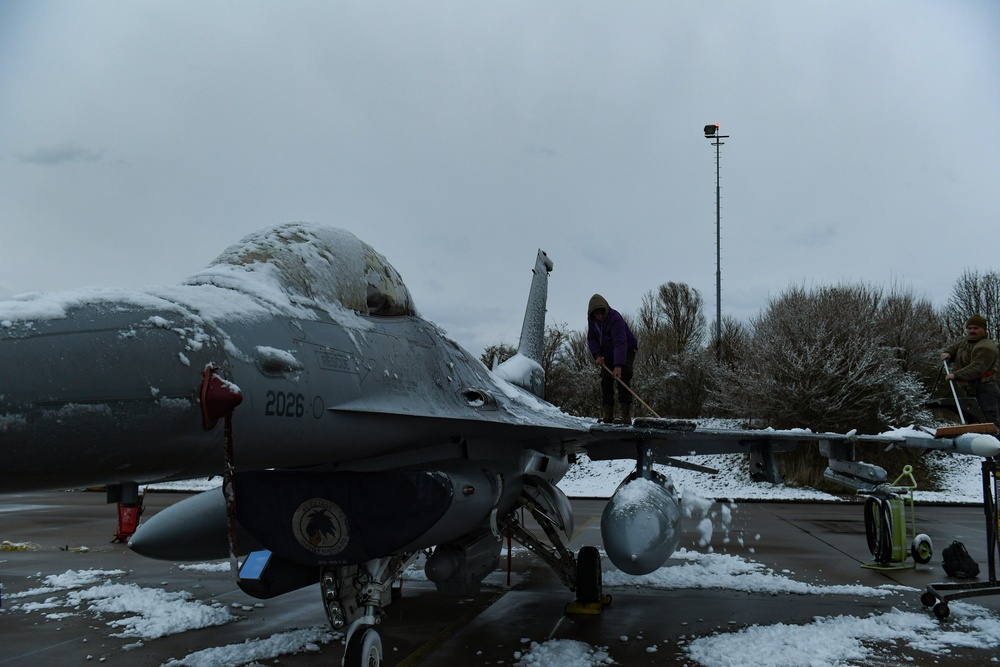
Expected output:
(149, 612)
(222, 566)
(145, 613)
(834, 640)
(726, 572)
(960, 478)
(275, 646)
(563, 652)
(599, 479)
(187, 486)
(66, 581)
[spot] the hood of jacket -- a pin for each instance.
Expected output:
(596, 302)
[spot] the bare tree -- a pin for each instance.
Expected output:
(655, 346)
(681, 309)
(556, 336)
(670, 370)
(734, 339)
(913, 330)
(819, 359)
(573, 383)
(497, 354)
(974, 293)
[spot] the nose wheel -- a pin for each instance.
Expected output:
(364, 648)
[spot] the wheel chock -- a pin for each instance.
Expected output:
(588, 608)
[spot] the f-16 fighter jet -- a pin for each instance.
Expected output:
(352, 434)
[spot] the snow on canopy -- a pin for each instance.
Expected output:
(294, 269)
(328, 266)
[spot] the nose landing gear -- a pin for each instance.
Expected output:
(354, 596)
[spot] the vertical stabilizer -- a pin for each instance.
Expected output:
(525, 368)
(533, 329)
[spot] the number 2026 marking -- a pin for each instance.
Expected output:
(284, 404)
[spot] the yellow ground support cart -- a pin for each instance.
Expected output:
(889, 540)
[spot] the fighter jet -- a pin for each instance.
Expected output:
(352, 435)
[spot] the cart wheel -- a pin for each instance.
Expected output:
(922, 549)
(941, 610)
(928, 599)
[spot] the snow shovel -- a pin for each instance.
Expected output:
(949, 431)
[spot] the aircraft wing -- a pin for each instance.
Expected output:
(660, 440)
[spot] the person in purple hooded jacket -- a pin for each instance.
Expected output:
(613, 346)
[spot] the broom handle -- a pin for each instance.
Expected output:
(954, 394)
(634, 395)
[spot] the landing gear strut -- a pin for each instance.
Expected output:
(354, 596)
(581, 573)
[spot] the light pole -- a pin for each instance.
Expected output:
(712, 132)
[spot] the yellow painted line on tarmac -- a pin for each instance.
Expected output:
(585, 526)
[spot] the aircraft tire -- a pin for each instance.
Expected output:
(364, 648)
(589, 582)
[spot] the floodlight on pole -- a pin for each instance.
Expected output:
(712, 132)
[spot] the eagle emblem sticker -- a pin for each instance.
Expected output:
(321, 527)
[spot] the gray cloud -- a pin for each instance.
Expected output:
(457, 138)
(54, 155)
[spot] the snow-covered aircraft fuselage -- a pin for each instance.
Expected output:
(352, 434)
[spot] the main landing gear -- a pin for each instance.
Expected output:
(581, 574)
(354, 596)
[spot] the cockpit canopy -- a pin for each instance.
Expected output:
(323, 265)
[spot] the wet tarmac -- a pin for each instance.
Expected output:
(822, 544)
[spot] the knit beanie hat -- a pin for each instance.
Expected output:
(976, 321)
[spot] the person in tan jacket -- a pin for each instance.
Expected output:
(974, 366)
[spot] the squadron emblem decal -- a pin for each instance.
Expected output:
(321, 527)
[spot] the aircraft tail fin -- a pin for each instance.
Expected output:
(524, 369)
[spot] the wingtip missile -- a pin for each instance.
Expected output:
(977, 444)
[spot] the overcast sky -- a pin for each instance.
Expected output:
(139, 139)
